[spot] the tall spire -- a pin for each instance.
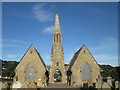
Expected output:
(57, 55)
(57, 24)
(57, 35)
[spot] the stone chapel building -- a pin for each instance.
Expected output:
(82, 68)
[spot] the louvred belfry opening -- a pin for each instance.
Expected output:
(57, 37)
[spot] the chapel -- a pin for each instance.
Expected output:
(82, 68)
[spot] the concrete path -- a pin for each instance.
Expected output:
(60, 87)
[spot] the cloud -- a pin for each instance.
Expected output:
(13, 43)
(48, 30)
(103, 57)
(106, 52)
(47, 58)
(42, 13)
(11, 56)
(106, 43)
(107, 59)
(68, 56)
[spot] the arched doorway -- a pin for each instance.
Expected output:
(47, 77)
(30, 72)
(57, 76)
(86, 72)
(69, 73)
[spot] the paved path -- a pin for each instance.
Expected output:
(60, 86)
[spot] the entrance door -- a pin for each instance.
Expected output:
(57, 76)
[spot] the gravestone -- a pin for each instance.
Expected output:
(106, 86)
(99, 84)
(116, 84)
(17, 84)
(32, 85)
(109, 80)
(25, 85)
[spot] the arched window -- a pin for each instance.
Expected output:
(30, 72)
(31, 52)
(57, 63)
(84, 52)
(86, 72)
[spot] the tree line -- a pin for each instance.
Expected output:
(8, 68)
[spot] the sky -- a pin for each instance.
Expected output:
(89, 23)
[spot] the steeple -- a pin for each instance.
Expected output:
(57, 24)
(57, 35)
(57, 56)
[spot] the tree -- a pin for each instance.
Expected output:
(108, 71)
(8, 68)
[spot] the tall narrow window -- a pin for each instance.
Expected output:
(31, 52)
(57, 63)
(84, 52)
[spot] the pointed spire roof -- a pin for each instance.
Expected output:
(57, 24)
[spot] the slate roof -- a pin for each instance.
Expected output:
(41, 58)
(74, 58)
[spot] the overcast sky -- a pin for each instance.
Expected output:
(92, 24)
